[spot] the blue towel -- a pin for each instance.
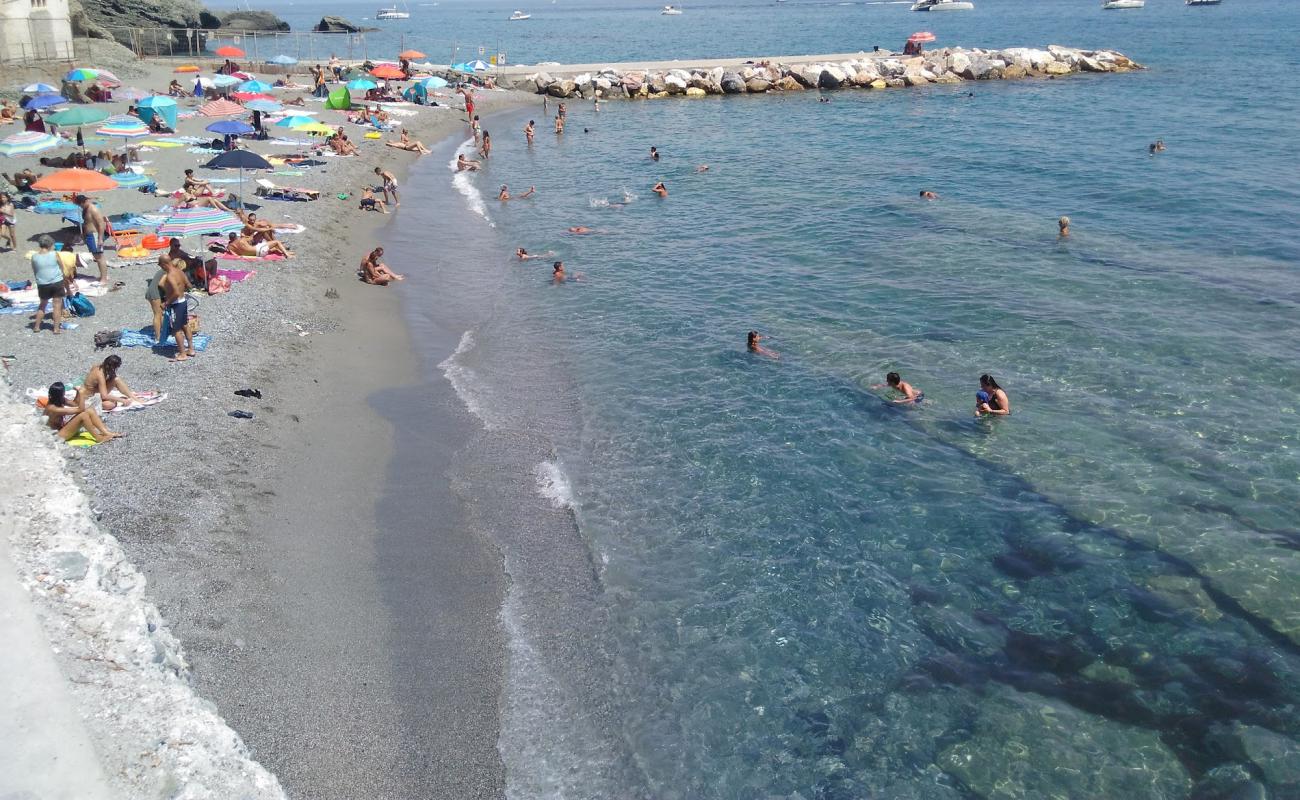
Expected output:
(20, 308)
(144, 338)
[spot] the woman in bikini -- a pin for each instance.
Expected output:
(990, 399)
(69, 417)
(102, 380)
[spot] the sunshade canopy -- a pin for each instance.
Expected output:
(75, 180)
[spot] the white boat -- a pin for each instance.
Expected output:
(1203, 2)
(392, 12)
(1117, 5)
(943, 5)
(671, 11)
(518, 15)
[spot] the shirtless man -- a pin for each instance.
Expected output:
(529, 130)
(654, 153)
(560, 276)
(580, 230)
(244, 246)
(909, 393)
(1064, 225)
(371, 203)
(22, 180)
(702, 168)
(464, 164)
(389, 186)
(504, 194)
(93, 226)
(376, 272)
(256, 230)
(102, 380)
(660, 189)
(173, 287)
(752, 343)
(926, 194)
(559, 125)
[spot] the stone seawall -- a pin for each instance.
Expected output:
(865, 71)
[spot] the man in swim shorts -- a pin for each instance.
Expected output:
(173, 287)
(389, 187)
(93, 226)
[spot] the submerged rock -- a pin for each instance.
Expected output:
(1277, 757)
(1029, 746)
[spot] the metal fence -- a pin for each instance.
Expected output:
(196, 43)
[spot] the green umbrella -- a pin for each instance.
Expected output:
(77, 116)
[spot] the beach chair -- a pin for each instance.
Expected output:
(269, 190)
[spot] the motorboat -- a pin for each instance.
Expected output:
(671, 11)
(943, 5)
(392, 12)
(1118, 5)
(1203, 2)
(518, 15)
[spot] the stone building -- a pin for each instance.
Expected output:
(34, 30)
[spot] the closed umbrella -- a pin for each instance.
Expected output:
(361, 85)
(75, 180)
(27, 143)
(41, 101)
(283, 60)
(255, 86)
(196, 221)
(229, 51)
(40, 88)
(243, 159)
(220, 108)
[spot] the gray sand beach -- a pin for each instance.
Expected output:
(354, 661)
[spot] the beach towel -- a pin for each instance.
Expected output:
(144, 338)
(144, 400)
(19, 308)
(160, 143)
(268, 257)
(83, 439)
(236, 275)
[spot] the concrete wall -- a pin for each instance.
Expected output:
(34, 30)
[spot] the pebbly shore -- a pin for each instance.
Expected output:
(875, 70)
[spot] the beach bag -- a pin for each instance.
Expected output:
(80, 305)
(192, 326)
(108, 339)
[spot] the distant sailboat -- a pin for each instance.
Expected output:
(671, 11)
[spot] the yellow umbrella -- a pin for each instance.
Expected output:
(315, 127)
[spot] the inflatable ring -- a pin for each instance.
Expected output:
(155, 242)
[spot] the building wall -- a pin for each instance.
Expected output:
(34, 30)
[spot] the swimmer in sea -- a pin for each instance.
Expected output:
(580, 230)
(660, 189)
(559, 125)
(464, 164)
(752, 343)
(654, 153)
(990, 399)
(702, 168)
(926, 194)
(524, 255)
(823, 99)
(1064, 224)
(504, 194)
(910, 393)
(1158, 146)
(560, 276)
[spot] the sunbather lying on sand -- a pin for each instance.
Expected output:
(102, 380)
(376, 272)
(244, 246)
(407, 143)
(69, 417)
(191, 201)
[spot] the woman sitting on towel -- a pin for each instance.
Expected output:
(69, 418)
(102, 380)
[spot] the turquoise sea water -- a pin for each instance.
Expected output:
(735, 577)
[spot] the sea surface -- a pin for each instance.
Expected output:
(733, 576)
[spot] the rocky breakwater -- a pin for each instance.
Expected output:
(868, 71)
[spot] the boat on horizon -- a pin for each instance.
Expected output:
(1203, 2)
(671, 11)
(393, 12)
(1119, 5)
(518, 15)
(943, 5)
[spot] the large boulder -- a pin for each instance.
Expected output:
(732, 84)
(674, 84)
(915, 79)
(789, 84)
(1057, 68)
(656, 84)
(757, 85)
(333, 24)
(1013, 72)
(695, 91)
(715, 75)
(561, 88)
(603, 84)
(863, 77)
(1089, 64)
(878, 83)
(1277, 757)
(632, 83)
(543, 81)
(253, 21)
(958, 62)
(947, 77)
(832, 78)
(979, 69)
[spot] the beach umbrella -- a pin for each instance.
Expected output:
(229, 51)
(220, 108)
(265, 106)
(245, 97)
(131, 94)
(124, 125)
(388, 71)
(41, 101)
(108, 79)
(61, 207)
(81, 74)
(314, 127)
(78, 116)
(186, 68)
(294, 121)
(75, 180)
(243, 76)
(921, 37)
(255, 86)
(27, 143)
(411, 54)
(40, 88)
(361, 85)
(461, 68)
(195, 221)
(230, 127)
(158, 105)
(133, 180)
(478, 66)
(435, 83)
(243, 159)
(283, 60)
(220, 81)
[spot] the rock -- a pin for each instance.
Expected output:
(715, 75)
(879, 83)
(1187, 593)
(562, 88)
(979, 69)
(1088, 64)
(832, 78)
(698, 82)
(732, 84)
(253, 21)
(1013, 72)
(1027, 746)
(947, 77)
(695, 91)
(115, 19)
(1229, 782)
(332, 24)
(915, 79)
(1057, 68)
(1102, 672)
(789, 84)
(632, 83)
(1277, 757)
(757, 85)
(674, 84)
(895, 83)
(603, 84)
(891, 68)
(863, 78)
(657, 84)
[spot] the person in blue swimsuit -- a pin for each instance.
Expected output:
(910, 393)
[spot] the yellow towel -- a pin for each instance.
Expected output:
(156, 143)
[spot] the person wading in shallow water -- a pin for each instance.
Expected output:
(991, 399)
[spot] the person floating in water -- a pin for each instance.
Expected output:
(524, 255)
(702, 168)
(926, 194)
(752, 343)
(660, 189)
(560, 276)
(654, 153)
(910, 393)
(504, 194)
(1158, 146)
(991, 399)
(1064, 224)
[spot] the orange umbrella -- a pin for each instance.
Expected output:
(229, 52)
(75, 180)
(221, 108)
(388, 71)
(411, 54)
(921, 37)
(186, 68)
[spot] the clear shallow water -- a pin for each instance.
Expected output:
(733, 577)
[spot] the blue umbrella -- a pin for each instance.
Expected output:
(265, 106)
(461, 68)
(222, 81)
(255, 86)
(231, 127)
(435, 83)
(159, 105)
(479, 66)
(44, 101)
(40, 88)
(361, 85)
(56, 207)
(283, 60)
(133, 180)
(294, 121)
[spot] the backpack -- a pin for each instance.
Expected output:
(80, 305)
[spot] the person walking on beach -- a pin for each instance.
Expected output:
(7, 213)
(389, 186)
(68, 418)
(1064, 225)
(49, 283)
(93, 226)
(528, 131)
(102, 380)
(909, 392)
(173, 287)
(991, 399)
(469, 101)
(752, 344)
